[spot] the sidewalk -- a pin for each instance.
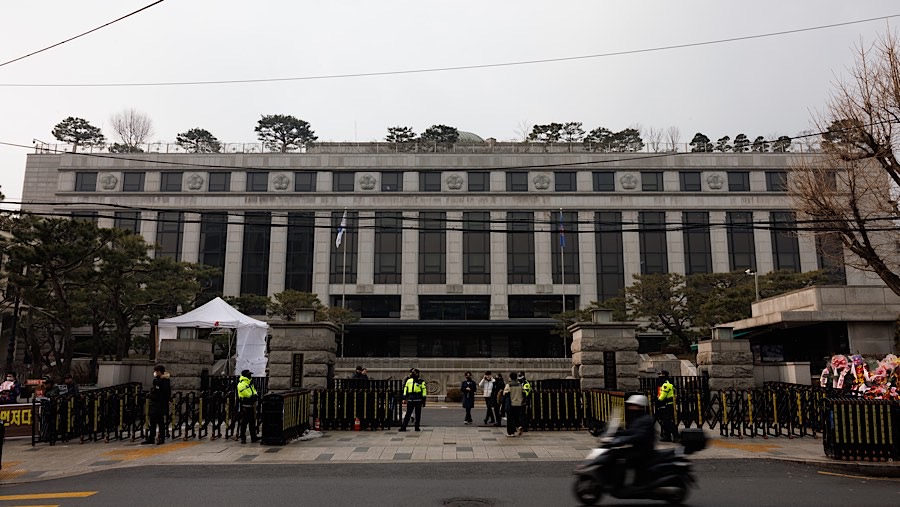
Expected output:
(23, 463)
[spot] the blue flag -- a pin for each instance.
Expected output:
(562, 231)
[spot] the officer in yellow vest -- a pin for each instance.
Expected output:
(248, 398)
(414, 392)
(665, 408)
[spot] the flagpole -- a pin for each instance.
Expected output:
(344, 286)
(562, 263)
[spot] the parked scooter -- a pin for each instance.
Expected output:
(667, 476)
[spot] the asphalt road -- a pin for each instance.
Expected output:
(722, 483)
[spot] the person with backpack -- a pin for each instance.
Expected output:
(515, 403)
(248, 398)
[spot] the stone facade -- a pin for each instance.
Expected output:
(315, 341)
(727, 361)
(185, 360)
(601, 348)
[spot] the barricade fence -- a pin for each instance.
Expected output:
(285, 416)
(862, 430)
(340, 409)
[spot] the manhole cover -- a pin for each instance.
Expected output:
(467, 502)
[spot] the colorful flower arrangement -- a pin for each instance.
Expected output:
(874, 379)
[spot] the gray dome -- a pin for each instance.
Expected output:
(468, 137)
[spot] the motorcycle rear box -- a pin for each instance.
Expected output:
(693, 440)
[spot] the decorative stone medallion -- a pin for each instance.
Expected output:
(195, 182)
(367, 182)
(454, 182)
(541, 181)
(108, 182)
(715, 181)
(628, 181)
(281, 182)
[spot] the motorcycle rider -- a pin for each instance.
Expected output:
(640, 435)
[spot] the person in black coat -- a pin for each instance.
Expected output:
(468, 389)
(500, 406)
(159, 397)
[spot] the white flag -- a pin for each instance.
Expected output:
(341, 229)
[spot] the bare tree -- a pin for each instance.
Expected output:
(672, 138)
(654, 137)
(133, 128)
(522, 129)
(849, 191)
(808, 141)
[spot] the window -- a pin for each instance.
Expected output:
(689, 181)
(255, 257)
(604, 181)
(305, 181)
(257, 181)
(391, 182)
(85, 182)
(776, 181)
(375, 307)
(170, 182)
(479, 181)
(652, 181)
(433, 247)
(517, 181)
(610, 258)
(85, 216)
(298, 269)
(213, 241)
(741, 244)
(169, 230)
(388, 246)
(519, 247)
(738, 181)
(343, 257)
(128, 221)
(697, 245)
(342, 182)
(219, 182)
(476, 247)
(539, 307)
(132, 182)
(652, 236)
(429, 182)
(830, 258)
(565, 240)
(565, 181)
(785, 246)
(454, 307)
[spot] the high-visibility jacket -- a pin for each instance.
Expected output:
(526, 388)
(246, 390)
(666, 393)
(415, 390)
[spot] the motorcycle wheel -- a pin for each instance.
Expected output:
(587, 490)
(678, 492)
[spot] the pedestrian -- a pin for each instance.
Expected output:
(468, 389)
(50, 387)
(414, 392)
(365, 374)
(9, 389)
(490, 401)
(159, 396)
(68, 386)
(358, 374)
(515, 401)
(526, 407)
(665, 408)
(499, 405)
(248, 398)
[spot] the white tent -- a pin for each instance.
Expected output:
(251, 333)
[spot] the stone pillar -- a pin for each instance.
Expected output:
(499, 285)
(604, 353)
(726, 360)
(184, 361)
(301, 354)
(190, 241)
(278, 255)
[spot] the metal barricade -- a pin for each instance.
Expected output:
(862, 430)
(285, 416)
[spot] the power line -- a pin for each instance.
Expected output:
(451, 68)
(81, 34)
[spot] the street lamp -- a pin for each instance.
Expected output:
(755, 275)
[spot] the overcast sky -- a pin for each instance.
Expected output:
(766, 86)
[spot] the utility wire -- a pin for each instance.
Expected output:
(452, 68)
(81, 34)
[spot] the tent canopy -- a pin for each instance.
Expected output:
(251, 333)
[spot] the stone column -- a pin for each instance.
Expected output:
(365, 264)
(278, 254)
(604, 353)
(301, 354)
(190, 241)
(631, 246)
(148, 229)
(323, 237)
(499, 287)
(543, 254)
(409, 272)
(765, 262)
(675, 241)
(454, 248)
(718, 238)
(726, 360)
(587, 256)
(184, 361)
(234, 251)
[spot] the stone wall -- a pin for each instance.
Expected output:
(184, 361)
(317, 344)
(593, 343)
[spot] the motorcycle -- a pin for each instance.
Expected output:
(666, 476)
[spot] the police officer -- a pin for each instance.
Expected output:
(665, 408)
(414, 392)
(159, 396)
(248, 397)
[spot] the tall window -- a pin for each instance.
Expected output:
(476, 247)
(776, 181)
(298, 270)
(454, 307)
(652, 236)
(305, 181)
(517, 181)
(219, 182)
(257, 181)
(255, 261)
(538, 307)
(689, 181)
(738, 181)
(342, 182)
(604, 181)
(697, 245)
(433, 247)
(520, 247)
(430, 182)
(610, 258)
(85, 182)
(565, 181)
(133, 182)
(479, 181)
(347, 250)
(565, 240)
(213, 241)
(169, 231)
(170, 181)
(652, 181)
(128, 221)
(391, 181)
(785, 246)
(741, 244)
(388, 246)
(830, 257)
(85, 216)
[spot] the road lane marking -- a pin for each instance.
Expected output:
(863, 477)
(6, 473)
(149, 451)
(49, 505)
(47, 496)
